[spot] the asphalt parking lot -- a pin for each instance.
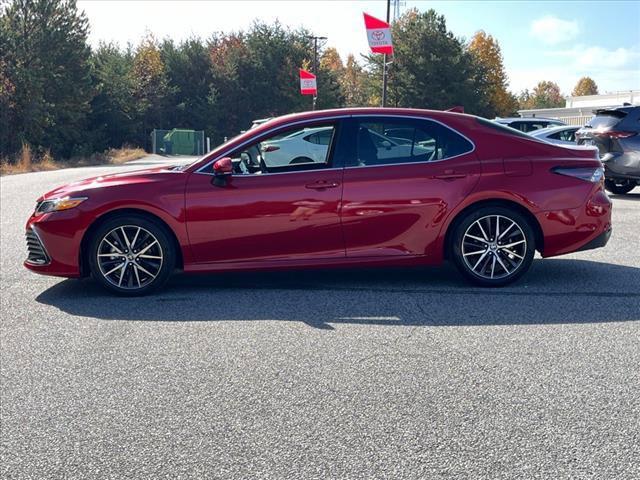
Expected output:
(322, 374)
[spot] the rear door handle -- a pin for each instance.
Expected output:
(449, 175)
(322, 184)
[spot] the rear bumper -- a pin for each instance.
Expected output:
(598, 242)
(576, 229)
(622, 166)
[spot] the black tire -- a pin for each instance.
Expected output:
(618, 189)
(162, 253)
(299, 160)
(518, 257)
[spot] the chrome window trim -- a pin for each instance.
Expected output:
(357, 115)
(414, 117)
(300, 122)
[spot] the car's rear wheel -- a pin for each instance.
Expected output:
(619, 187)
(493, 246)
(131, 255)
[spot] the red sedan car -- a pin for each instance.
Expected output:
(362, 187)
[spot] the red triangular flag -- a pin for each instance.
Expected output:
(308, 83)
(378, 34)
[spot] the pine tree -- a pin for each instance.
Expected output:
(45, 58)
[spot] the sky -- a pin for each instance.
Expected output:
(540, 40)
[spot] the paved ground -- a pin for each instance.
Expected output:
(388, 374)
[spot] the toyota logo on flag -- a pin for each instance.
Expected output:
(378, 35)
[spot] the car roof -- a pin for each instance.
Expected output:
(550, 130)
(525, 119)
(624, 108)
(332, 114)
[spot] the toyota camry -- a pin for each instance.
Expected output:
(464, 189)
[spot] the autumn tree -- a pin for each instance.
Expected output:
(149, 87)
(585, 86)
(487, 53)
(331, 60)
(546, 94)
(352, 83)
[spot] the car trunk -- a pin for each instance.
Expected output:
(598, 132)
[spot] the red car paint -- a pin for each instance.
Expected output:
(386, 215)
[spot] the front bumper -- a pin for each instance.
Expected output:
(53, 243)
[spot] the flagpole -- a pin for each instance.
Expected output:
(384, 65)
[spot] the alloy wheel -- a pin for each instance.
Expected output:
(129, 257)
(494, 247)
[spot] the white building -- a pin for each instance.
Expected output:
(578, 110)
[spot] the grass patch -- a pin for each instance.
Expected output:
(28, 161)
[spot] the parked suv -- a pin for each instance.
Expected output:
(615, 132)
(528, 124)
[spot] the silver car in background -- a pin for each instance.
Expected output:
(560, 135)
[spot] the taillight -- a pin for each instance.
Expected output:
(270, 148)
(615, 134)
(588, 174)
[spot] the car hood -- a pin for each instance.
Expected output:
(157, 174)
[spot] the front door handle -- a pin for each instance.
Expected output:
(322, 184)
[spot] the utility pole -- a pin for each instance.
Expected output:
(315, 61)
(385, 73)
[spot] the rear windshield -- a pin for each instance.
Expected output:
(503, 128)
(605, 119)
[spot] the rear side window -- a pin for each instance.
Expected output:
(528, 126)
(388, 141)
(564, 135)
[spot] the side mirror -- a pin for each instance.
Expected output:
(222, 169)
(386, 144)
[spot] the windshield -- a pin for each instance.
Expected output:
(605, 120)
(187, 165)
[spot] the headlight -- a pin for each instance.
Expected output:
(58, 204)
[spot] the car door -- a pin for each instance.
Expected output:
(396, 206)
(274, 214)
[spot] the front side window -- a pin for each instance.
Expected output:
(301, 148)
(397, 141)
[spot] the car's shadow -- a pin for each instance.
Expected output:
(554, 291)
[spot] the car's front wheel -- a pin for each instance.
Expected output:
(131, 255)
(619, 188)
(493, 246)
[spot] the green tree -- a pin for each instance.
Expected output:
(431, 67)
(189, 75)
(585, 86)
(43, 47)
(113, 112)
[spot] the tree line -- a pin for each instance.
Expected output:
(59, 94)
